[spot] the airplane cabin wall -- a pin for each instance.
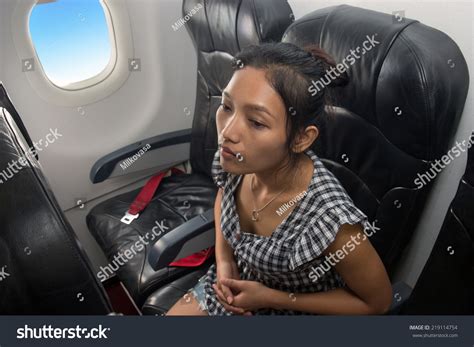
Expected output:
(152, 101)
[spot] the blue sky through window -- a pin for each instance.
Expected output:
(71, 39)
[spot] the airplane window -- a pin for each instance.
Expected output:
(71, 39)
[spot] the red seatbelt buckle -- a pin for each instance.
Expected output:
(129, 218)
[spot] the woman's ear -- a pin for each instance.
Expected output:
(305, 139)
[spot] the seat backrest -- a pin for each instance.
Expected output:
(220, 29)
(407, 89)
(7, 103)
(43, 268)
(452, 255)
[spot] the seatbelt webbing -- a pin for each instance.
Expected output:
(146, 194)
(141, 202)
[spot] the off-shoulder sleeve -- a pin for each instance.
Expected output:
(218, 174)
(321, 232)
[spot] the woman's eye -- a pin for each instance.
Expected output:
(257, 124)
(225, 108)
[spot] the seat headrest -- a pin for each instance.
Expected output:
(409, 80)
(228, 26)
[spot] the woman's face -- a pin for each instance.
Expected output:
(251, 120)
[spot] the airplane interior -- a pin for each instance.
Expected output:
(108, 144)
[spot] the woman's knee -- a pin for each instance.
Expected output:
(187, 306)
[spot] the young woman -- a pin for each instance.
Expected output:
(281, 216)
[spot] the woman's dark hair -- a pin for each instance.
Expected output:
(292, 71)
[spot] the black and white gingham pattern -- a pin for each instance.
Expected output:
(283, 261)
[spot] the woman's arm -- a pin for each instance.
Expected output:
(226, 267)
(368, 288)
(223, 250)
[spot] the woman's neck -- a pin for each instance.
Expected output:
(272, 181)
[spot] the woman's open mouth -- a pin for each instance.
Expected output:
(227, 153)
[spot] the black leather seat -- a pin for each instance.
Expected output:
(43, 267)
(396, 116)
(166, 209)
(218, 32)
(446, 285)
(159, 302)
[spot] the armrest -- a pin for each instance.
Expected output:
(173, 245)
(401, 293)
(103, 167)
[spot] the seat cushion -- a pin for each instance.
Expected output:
(177, 199)
(160, 301)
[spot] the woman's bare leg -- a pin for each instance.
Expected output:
(186, 306)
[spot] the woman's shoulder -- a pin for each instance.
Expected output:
(325, 191)
(327, 207)
(328, 199)
(320, 229)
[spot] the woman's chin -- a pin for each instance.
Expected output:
(231, 168)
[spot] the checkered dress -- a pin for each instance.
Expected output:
(283, 260)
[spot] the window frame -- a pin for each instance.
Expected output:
(41, 84)
(105, 72)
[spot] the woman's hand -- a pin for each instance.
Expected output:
(226, 269)
(251, 295)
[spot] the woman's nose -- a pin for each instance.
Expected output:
(231, 129)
